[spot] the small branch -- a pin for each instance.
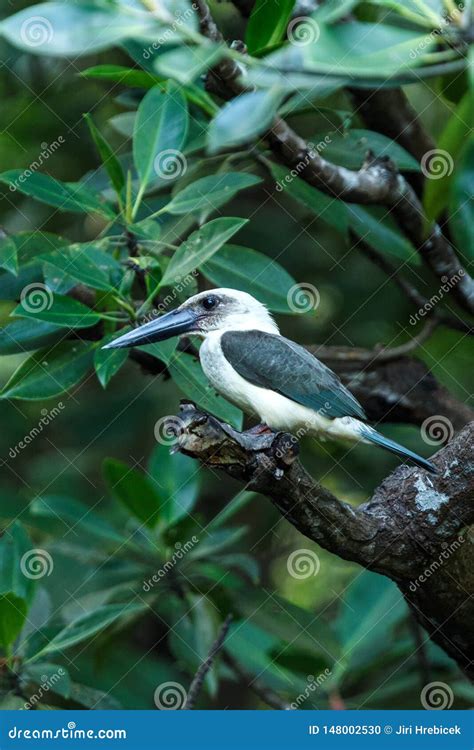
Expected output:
(266, 694)
(199, 677)
(376, 183)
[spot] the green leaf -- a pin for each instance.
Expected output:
(331, 210)
(267, 24)
(68, 30)
(189, 377)
(186, 64)
(73, 513)
(65, 196)
(83, 262)
(461, 221)
(349, 149)
(243, 119)
(371, 607)
(16, 587)
(109, 160)
(55, 676)
(8, 254)
(176, 481)
(439, 165)
(27, 335)
(132, 77)
(107, 362)
(375, 226)
(86, 626)
(200, 246)
(62, 311)
(160, 131)
(133, 489)
(12, 616)
(209, 193)
(49, 372)
(245, 269)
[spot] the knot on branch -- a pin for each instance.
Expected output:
(216, 443)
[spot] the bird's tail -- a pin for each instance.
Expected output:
(390, 445)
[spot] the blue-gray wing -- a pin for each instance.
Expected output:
(274, 362)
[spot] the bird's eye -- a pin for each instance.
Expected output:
(209, 303)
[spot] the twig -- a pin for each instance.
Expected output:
(266, 694)
(199, 677)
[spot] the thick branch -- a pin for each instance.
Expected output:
(398, 532)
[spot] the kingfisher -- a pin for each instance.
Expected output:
(249, 362)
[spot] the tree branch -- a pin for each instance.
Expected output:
(200, 676)
(376, 183)
(399, 532)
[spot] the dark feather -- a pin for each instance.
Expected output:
(278, 364)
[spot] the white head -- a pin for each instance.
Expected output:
(216, 310)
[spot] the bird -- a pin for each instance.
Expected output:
(268, 376)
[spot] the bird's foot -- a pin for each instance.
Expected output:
(260, 429)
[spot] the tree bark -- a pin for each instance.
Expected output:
(413, 529)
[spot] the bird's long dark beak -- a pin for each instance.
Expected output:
(166, 326)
